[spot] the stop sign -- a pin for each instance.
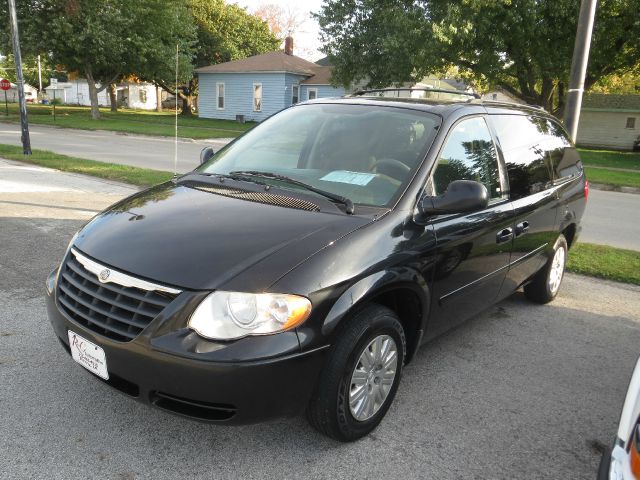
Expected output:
(5, 84)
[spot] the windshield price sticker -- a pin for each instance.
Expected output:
(352, 178)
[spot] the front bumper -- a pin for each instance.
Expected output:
(246, 381)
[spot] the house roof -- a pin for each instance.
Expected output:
(324, 61)
(613, 102)
(267, 62)
(275, 62)
(322, 76)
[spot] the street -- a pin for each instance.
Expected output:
(612, 218)
(521, 391)
(135, 150)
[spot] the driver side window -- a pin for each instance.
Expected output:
(468, 154)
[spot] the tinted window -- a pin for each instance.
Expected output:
(526, 149)
(468, 154)
(564, 157)
(363, 153)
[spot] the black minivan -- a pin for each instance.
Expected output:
(300, 267)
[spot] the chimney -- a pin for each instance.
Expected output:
(288, 45)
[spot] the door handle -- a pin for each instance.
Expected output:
(504, 235)
(522, 227)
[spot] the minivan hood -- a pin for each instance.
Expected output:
(182, 237)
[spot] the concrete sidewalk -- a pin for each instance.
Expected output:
(28, 191)
(135, 150)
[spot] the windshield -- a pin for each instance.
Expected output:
(364, 153)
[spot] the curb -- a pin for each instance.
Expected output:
(614, 188)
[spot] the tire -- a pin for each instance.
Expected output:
(335, 404)
(546, 283)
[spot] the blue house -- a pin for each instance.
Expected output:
(259, 86)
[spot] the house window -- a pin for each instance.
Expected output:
(312, 94)
(295, 94)
(631, 122)
(143, 96)
(220, 95)
(257, 97)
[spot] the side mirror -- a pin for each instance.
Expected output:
(206, 154)
(461, 196)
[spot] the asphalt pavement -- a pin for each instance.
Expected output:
(114, 147)
(521, 391)
(612, 218)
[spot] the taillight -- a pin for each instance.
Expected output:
(634, 452)
(586, 189)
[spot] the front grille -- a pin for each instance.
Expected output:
(109, 309)
(259, 197)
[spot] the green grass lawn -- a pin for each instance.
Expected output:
(613, 177)
(612, 159)
(130, 121)
(608, 158)
(110, 171)
(605, 262)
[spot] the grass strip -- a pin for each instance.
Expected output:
(603, 261)
(609, 158)
(129, 121)
(612, 177)
(110, 171)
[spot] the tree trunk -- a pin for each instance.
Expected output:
(93, 96)
(113, 98)
(158, 99)
(186, 105)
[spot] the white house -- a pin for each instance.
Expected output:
(30, 93)
(142, 96)
(609, 121)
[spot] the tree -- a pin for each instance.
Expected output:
(282, 21)
(108, 39)
(29, 69)
(224, 32)
(626, 83)
(522, 46)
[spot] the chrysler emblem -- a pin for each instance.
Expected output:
(104, 275)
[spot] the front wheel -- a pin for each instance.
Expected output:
(546, 283)
(361, 377)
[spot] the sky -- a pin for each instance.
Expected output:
(307, 40)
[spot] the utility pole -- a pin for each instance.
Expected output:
(24, 124)
(39, 76)
(579, 66)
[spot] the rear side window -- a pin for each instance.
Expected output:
(536, 151)
(564, 156)
(468, 154)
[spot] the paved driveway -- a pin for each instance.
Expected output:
(521, 391)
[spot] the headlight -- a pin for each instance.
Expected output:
(231, 315)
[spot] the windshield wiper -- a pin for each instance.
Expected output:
(333, 196)
(234, 176)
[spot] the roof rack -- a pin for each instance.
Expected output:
(403, 89)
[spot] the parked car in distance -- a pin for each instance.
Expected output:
(622, 461)
(299, 268)
(170, 104)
